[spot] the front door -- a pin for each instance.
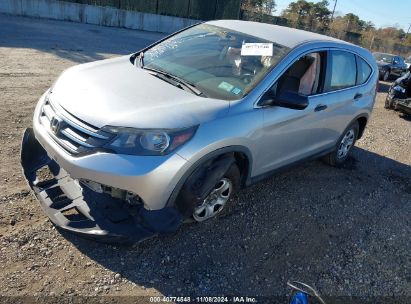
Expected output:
(291, 135)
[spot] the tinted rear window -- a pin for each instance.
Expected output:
(364, 70)
(341, 71)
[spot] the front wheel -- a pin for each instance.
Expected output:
(217, 199)
(214, 203)
(388, 102)
(344, 145)
(207, 190)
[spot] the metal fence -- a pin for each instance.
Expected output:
(192, 9)
(230, 9)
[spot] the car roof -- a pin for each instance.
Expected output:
(286, 36)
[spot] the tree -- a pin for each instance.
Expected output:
(316, 17)
(349, 23)
(354, 23)
(368, 34)
(259, 6)
(369, 26)
(322, 14)
(309, 15)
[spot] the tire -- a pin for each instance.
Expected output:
(388, 103)
(335, 158)
(199, 212)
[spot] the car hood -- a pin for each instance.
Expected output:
(116, 93)
(382, 64)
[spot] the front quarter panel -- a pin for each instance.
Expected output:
(241, 128)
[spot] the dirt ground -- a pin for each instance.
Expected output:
(345, 231)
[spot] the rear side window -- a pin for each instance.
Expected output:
(364, 71)
(341, 71)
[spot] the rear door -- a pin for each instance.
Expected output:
(344, 96)
(339, 96)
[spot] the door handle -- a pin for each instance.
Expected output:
(320, 107)
(357, 96)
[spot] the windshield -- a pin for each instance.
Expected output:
(383, 57)
(221, 63)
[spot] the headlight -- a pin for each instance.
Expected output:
(399, 89)
(147, 141)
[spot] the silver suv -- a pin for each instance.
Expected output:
(133, 146)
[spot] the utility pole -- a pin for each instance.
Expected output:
(332, 15)
(372, 41)
(406, 34)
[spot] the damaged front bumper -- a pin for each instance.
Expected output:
(404, 106)
(80, 210)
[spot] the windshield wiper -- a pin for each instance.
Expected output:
(192, 87)
(178, 80)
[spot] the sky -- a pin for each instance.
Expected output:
(382, 13)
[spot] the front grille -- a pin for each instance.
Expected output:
(72, 134)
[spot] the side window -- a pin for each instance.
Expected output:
(341, 71)
(364, 71)
(302, 77)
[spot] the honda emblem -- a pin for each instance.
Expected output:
(55, 125)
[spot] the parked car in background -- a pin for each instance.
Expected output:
(138, 143)
(399, 94)
(390, 65)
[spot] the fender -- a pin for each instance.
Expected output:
(201, 182)
(205, 160)
(362, 115)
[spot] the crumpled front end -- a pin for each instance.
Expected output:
(78, 209)
(404, 106)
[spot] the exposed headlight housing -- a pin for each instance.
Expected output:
(147, 141)
(399, 89)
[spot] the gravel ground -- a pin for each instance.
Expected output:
(345, 231)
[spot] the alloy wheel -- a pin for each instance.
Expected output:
(346, 144)
(215, 201)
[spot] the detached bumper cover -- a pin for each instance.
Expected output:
(82, 211)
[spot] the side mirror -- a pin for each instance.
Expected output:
(288, 99)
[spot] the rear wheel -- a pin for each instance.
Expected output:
(344, 146)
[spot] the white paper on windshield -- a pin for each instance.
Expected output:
(257, 49)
